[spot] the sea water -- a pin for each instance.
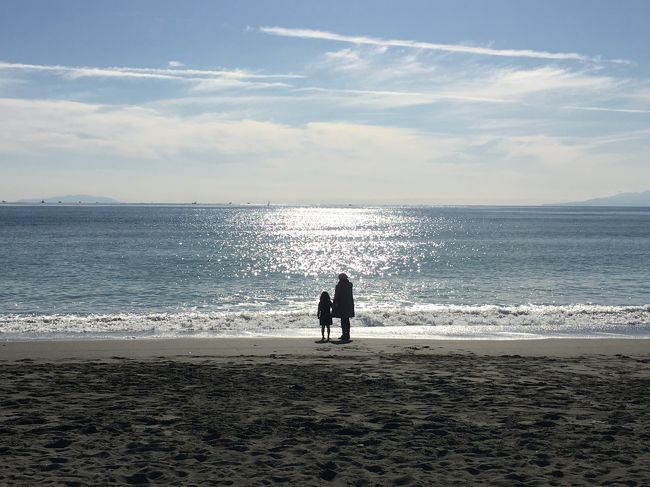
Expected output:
(490, 272)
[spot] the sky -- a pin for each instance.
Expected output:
(337, 102)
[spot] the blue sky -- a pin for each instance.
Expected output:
(458, 102)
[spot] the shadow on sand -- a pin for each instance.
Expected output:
(333, 342)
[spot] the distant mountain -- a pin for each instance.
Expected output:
(72, 198)
(620, 199)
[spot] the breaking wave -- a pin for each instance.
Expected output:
(424, 321)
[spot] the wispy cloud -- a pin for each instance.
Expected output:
(400, 98)
(218, 84)
(74, 72)
(454, 48)
(367, 78)
(377, 61)
(518, 83)
(605, 109)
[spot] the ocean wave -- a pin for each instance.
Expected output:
(423, 321)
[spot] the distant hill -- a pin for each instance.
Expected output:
(72, 198)
(620, 199)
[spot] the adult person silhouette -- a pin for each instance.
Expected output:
(343, 305)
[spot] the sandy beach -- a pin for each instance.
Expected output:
(371, 412)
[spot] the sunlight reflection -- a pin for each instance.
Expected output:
(325, 241)
(292, 254)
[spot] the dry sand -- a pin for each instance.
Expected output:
(371, 412)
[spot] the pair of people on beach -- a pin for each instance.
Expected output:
(342, 307)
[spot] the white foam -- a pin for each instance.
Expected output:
(423, 321)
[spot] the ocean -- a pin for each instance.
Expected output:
(96, 271)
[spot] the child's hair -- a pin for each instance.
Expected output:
(325, 296)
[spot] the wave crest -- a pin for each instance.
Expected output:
(427, 321)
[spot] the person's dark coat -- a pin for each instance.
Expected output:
(343, 306)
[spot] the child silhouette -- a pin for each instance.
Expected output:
(325, 314)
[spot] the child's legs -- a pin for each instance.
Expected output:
(322, 330)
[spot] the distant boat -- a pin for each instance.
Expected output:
(70, 199)
(193, 202)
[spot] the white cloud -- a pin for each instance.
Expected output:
(485, 85)
(455, 48)
(318, 161)
(375, 65)
(374, 77)
(191, 75)
(391, 99)
(74, 72)
(218, 84)
(40, 126)
(346, 60)
(175, 64)
(517, 83)
(606, 109)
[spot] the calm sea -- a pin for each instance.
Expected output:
(135, 271)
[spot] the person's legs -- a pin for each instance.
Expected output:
(322, 331)
(328, 333)
(345, 326)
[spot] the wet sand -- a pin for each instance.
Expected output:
(370, 412)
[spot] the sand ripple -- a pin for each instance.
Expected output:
(393, 419)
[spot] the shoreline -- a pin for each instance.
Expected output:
(177, 348)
